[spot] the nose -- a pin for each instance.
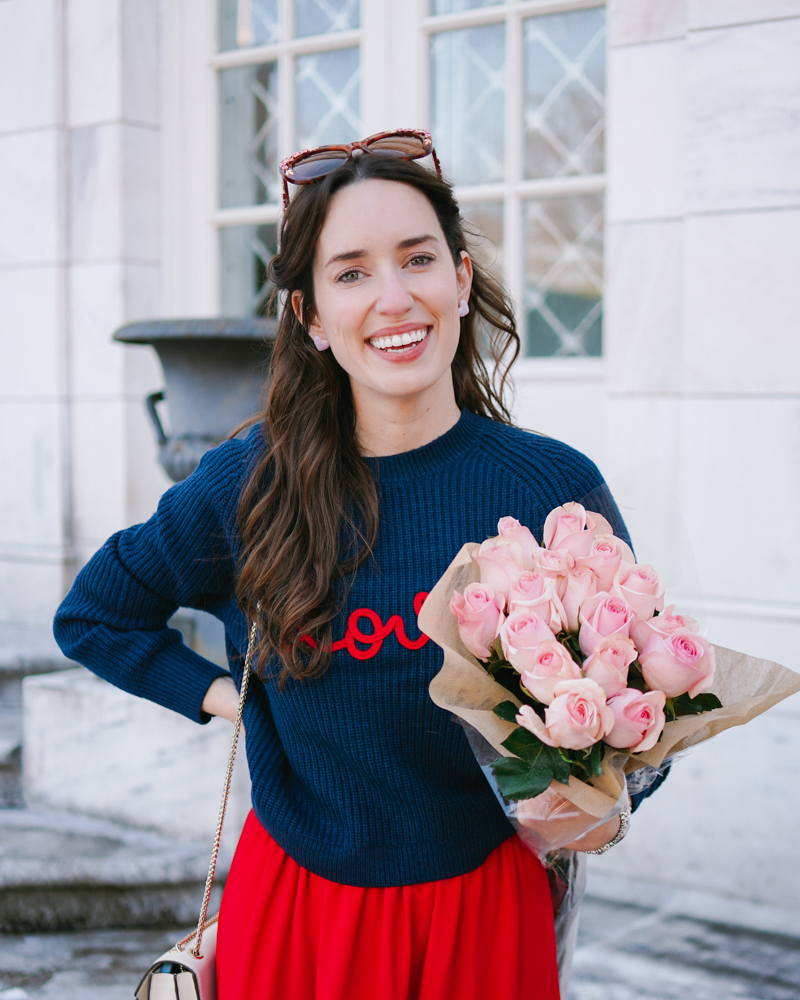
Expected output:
(394, 298)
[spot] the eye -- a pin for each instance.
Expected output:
(349, 276)
(421, 259)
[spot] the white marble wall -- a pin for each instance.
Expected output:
(703, 395)
(79, 255)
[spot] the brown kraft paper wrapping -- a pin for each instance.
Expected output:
(746, 686)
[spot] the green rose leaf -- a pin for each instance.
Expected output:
(535, 766)
(516, 784)
(706, 702)
(506, 710)
(524, 744)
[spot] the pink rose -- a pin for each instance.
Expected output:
(480, 613)
(560, 523)
(555, 564)
(638, 719)
(572, 527)
(579, 586)
(500, 561)
(551, 663)
(509, 527)
(679, 662)
(520, 634)
(603, 615)
(608, 664)
(537, 593)
(575, 719)
(663, 624)
(604, 559)
(641, 587)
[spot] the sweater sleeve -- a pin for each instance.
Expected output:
(114, 619)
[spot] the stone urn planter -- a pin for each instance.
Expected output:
(215, 371)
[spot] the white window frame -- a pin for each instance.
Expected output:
(515, 189)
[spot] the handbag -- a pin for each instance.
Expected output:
(188, 970)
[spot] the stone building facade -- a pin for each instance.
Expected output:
(138, 140)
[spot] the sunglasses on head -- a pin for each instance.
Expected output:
(311, 165)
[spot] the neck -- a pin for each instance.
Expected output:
(388, 425)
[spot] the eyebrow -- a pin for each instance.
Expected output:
(412, 241)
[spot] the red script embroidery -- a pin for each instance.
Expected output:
(374, 639)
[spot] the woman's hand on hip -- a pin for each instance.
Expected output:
(222, 699)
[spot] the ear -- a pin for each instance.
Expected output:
(464, 276)
(314, 329)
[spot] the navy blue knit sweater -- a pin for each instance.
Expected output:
(357, 774)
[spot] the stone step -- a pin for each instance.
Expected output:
(60, 871)
(15, 666)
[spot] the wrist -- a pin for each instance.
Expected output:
(624, 823)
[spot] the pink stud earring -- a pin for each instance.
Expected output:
(321, 343)
(463, 307)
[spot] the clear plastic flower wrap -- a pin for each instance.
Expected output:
(573, 697)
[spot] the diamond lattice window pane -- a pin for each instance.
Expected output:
(564, 99)
(245, 252)
(563, 276)
(243, 23)
(248, 135)
(327, 98)
(457, 6)
(468, 101)
(485, 234)
(484, 228)
(324, 17)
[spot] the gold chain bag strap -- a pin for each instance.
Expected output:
(188, 970)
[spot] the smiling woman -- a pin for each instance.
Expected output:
(377, 861)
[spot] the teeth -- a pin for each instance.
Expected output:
(400, 340)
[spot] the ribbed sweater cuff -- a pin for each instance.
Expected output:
(178, 678)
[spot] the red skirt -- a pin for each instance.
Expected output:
(287, 934)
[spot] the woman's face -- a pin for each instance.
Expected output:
(387, 293)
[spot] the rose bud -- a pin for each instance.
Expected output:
(551, 663)
(509, 527)
(575, 719)
(601, 616)
(564, 522)
(604, 558)
(555, 564)
(520, 634)
(500, 562)
(608, 664)
(579, 586)
(679, 662)
(638, 719)
(480, 613)
(537, 593)
(641, 587)
(663, 625)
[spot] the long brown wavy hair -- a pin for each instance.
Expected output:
(309, 513)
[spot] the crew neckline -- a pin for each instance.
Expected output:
(443, 450)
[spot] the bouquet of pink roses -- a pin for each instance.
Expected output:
(573, 681)
(574, 630)
(569, 673)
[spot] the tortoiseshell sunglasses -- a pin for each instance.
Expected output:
(311, 165)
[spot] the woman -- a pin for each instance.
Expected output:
(376, 862)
